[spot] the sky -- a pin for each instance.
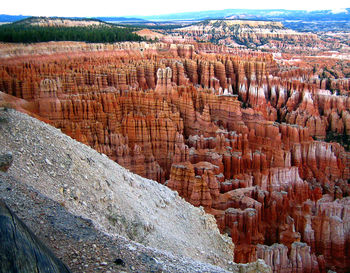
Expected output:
(86, 8)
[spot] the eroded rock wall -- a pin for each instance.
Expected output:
(229, 132)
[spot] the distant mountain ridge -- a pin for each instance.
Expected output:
(60, 22)
(301, 20)
(4, 18)
(267, 14)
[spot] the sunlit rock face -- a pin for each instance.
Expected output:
(229, 131)
(246, 33)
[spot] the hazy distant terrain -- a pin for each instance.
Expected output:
(322, 20)
(271, 14)
(302, 20)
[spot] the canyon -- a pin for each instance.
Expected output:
(244, 134)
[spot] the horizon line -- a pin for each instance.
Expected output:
(185, 12)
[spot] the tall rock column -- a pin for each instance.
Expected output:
(164, 85)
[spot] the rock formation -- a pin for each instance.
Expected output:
(246, 33)
(230, 131)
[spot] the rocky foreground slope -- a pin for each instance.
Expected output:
(80, 203)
